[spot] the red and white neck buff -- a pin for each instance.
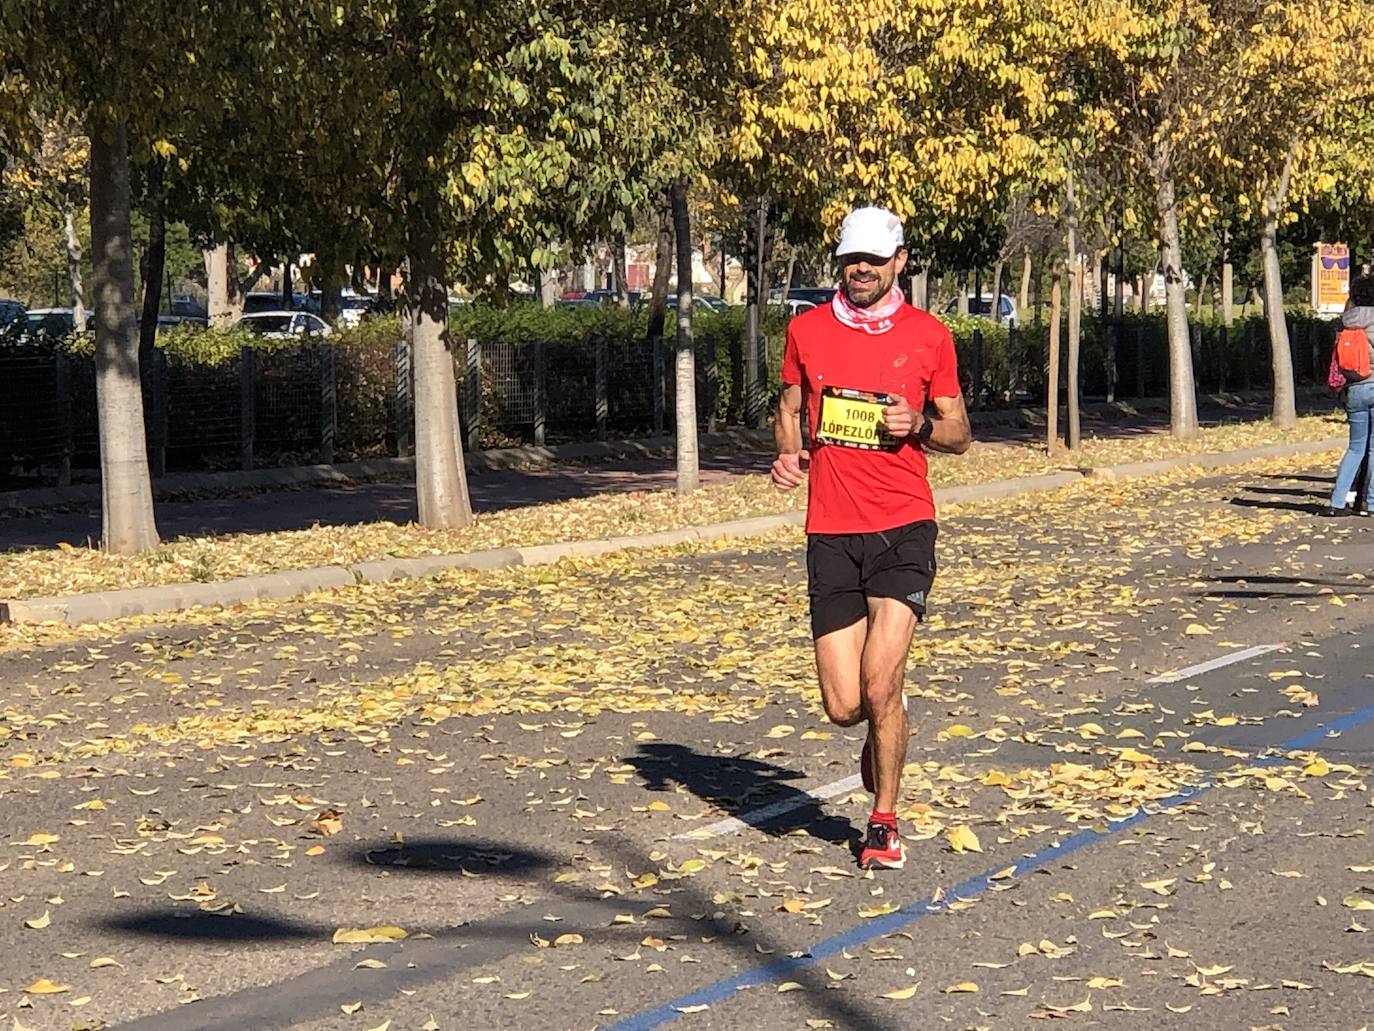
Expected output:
(877, 319)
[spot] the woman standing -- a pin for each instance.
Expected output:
(1359, 403)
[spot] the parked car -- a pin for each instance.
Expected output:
(281, 325)
(187, 307)
(270, 300)
(574, 298)
(700, 302)
(981, 307)
(11, 312)
(42, 324)
(816, 295)
(352, 308)
(795, 306)
(168, 321)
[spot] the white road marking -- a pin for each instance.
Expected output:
(1211, 664)
(765, 813)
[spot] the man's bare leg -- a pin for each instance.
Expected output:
(839, 661)
(882, 676)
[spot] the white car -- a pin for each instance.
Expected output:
(280, 325)
(981, 307)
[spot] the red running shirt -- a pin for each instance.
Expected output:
(853, 490)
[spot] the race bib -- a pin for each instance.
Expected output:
(854, 418)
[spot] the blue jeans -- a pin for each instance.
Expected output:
(1359, 406)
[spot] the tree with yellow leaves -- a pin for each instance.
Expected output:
(1287, 123)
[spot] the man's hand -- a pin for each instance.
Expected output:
(787, 469)
(900, 419)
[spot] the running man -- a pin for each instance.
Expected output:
(868, 367)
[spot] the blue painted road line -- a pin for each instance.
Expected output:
(776, 970)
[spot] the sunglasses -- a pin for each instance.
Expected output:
(1340, 263)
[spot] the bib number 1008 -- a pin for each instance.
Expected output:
(854, 418)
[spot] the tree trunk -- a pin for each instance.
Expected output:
(756, 258)
(548, 287)
(126, 489)
(1147, 283)
(685, 367)
(1078, 274)
(288, 295)
(1201, 293)
(238, 288)
(385, 299)
(995, 305)
(441, 484)
(331, 290)
(663, 265)
(218, 306)
(622, 293)
(1284, 411)
(74, 268)
(154, 263)
(920, 289)
(1228, 293)
(1023, 299)
(1052, 388)
(1075, 313)
(1182, 387)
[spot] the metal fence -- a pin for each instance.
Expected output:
(1131, 359)
(321, 403)
(328, 403)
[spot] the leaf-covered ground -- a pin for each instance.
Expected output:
(491, 800)
(68, 570)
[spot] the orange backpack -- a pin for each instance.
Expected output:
(1352, 354)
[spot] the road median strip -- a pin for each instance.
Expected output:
(104, 606)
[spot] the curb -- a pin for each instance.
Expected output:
(101, 606)
(141, 601)
(1215, 459)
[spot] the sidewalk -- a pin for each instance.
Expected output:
(638, 466)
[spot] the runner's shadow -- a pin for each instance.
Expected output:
(753, 791)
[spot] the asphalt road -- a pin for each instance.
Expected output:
(601, 795)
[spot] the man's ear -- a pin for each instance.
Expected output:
(901, 261)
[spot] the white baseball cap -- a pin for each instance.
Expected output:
(875, 231)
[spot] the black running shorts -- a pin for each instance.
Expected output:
(844, 570)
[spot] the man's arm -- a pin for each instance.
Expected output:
(948, 430)
(787, 437)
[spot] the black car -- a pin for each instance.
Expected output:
(815, 294)
(11, 312)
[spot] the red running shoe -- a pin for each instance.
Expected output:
(882, 848)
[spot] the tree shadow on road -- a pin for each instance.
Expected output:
(1297, 479)
(1261, 587)
(1287, 492)
(756, 792)
(1310, 507)
(490, 939)
(451, 855)
(195, 925)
